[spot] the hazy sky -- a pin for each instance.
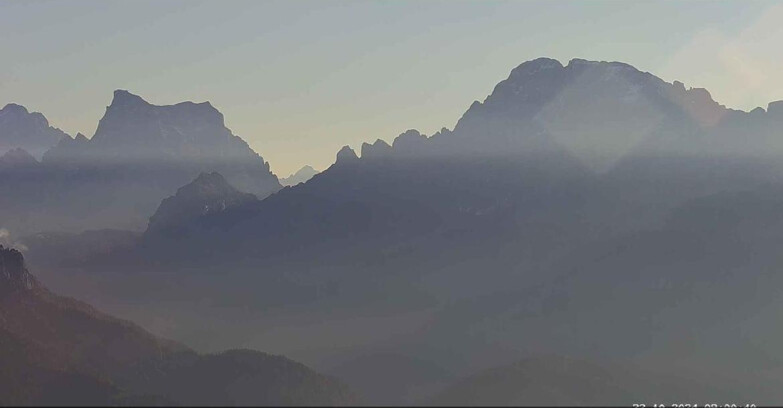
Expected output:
(300, 79)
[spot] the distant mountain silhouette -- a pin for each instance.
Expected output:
(139, 154)
(588, 209)
(596, 112)
(602, 115)
(135, 132)
(346, 155)
(209, 193)
(514, 171)
(58, 350)
(301, 175)
(17, 159)
(20, 129)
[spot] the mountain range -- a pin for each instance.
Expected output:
(139, 154)
(507, 158)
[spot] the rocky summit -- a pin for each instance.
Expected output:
(187, 136)
(30, 131)
(209, 193)
(13, 272)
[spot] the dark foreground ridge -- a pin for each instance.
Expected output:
(56, 350)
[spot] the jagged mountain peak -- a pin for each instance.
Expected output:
(580, 62)
(14, 107)
(127, 105)
(547, 76)
(137, 127)
(207, 194)
(409, 141)
(187, 133)
(535, 65)
(208, 183)
(20, 114)
(20, 128)
(594, 111)
(123, 97)
(346, 155)
(300, 176)
(144, 152)
(378, 149)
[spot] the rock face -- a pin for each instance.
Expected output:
(776, 109)
(346, 155)
(140, 154)
(594, 115)
(596, 112)
(55, 350)
(301, 176)
(376, 150)
(209, 193)
(409, 142)
(187, 136)
(13, 272)
(26, 130)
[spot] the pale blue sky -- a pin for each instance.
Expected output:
(299, 79)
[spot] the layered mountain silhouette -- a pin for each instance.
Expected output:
(209, 193)
(595, 112)
(587, 209)
(30, 131)
(17, 159)
(550, 142)
(60, 351)
(301, 175)
(140, 154)
(187, 135)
